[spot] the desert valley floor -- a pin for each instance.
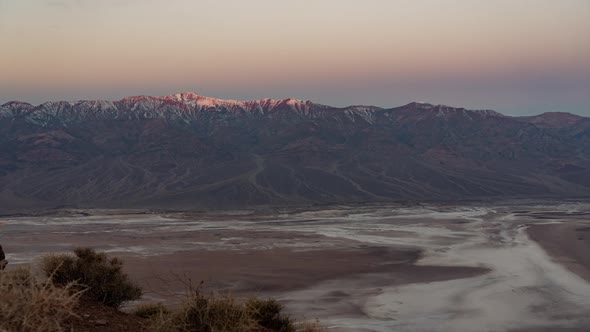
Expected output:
(521, 266)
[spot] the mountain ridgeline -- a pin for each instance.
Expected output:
(190, 151)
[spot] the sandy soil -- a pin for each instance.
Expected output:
(567, 243)
(379, 268)
(275, 271)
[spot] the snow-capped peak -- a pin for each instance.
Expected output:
(186, 107)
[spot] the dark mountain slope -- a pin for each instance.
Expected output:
(189, 151)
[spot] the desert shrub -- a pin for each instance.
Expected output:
(27, 305)
(21, 278)
(311, 326)
(216, 313)
(103, 277)
(201, 313)
(150, 310)
(268, 314)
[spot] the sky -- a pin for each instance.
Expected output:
(515, 56)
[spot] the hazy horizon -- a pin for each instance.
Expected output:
(517, 57)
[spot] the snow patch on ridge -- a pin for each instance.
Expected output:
(186, 107)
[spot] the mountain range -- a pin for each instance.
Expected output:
(190, 151)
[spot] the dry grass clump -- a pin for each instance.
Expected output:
(269, 314)
(27, 305)
(313, 326)
(149, 310)
(103, 277)
(202, 313)
(217, 313)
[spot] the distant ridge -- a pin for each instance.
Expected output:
(191, 151)
(189, 101)
(553, 119)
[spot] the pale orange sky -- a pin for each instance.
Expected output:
(516, 56)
